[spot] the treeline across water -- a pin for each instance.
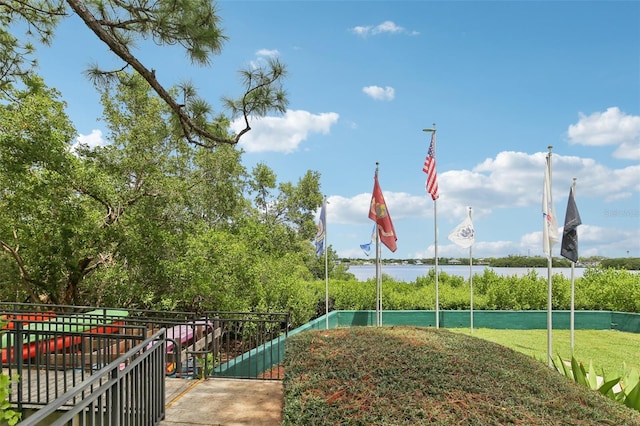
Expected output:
(597, 289)
(629, 263)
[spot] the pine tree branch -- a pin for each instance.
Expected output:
(190, 129)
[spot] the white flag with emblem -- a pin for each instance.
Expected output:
(463, 234)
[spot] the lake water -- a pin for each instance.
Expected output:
(409, 273)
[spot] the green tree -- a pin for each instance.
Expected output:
(191, 25)
(166, 194)
(148, 220)
(287, 209)
(37, 202)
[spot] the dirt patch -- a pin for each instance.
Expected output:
(277, 373)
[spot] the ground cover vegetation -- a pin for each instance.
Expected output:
(406, 375)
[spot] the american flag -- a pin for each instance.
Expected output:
(430, 169)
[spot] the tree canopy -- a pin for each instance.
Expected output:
(164, 216)
(193, 25)
(148, 220)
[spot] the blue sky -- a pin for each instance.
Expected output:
(502, 80)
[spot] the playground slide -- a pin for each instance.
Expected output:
(26, 318)
(184, 333)
(100, 321)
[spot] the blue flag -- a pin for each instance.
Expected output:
(366, 248)
(321, 234)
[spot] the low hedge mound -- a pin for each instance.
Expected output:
(410, 375)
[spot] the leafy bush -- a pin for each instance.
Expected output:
(628, 386)
(7, 414)
(608, 289)
(597, 289)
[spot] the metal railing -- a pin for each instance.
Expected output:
(206, 344)
(45, 357)
(128, 391)
(107, 366)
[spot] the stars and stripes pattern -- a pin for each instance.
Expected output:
(429, 168)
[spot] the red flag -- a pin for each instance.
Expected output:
(430, 169)
(379, 213)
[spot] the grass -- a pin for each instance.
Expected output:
(608, 350)
(411, 375)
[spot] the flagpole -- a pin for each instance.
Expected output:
(379, 282)
(386, 234)
(326, 267)
(378, 269)
(464, 236)
(471, 279)
(549, 280)
(573, 266)
(435, 229)
(435, 233)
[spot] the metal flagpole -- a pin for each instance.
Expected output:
(435, 232)
(379, 282)
(378, 270)
(471, 279)
(378, 278)
(549, 281)
(326, 266)
(573, 266)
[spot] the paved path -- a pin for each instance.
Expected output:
(225, 402)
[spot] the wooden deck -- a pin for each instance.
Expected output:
(41, 387)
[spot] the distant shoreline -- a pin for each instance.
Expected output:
(409, 273)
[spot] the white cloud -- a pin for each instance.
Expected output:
(388, 27)
(269, 53)
(515, 179)
(351, 210)
(612, 127)
(379, 93)
(487, 248)
(92, 140)
(507, 186)
(283, 134)
(511, 179)
(262, 56)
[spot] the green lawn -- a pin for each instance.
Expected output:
(606, 349)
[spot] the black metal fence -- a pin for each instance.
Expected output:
(205, 344)
(48, 350)
(128, 391)
(86, 361)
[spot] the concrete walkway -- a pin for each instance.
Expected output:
(223, 402)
